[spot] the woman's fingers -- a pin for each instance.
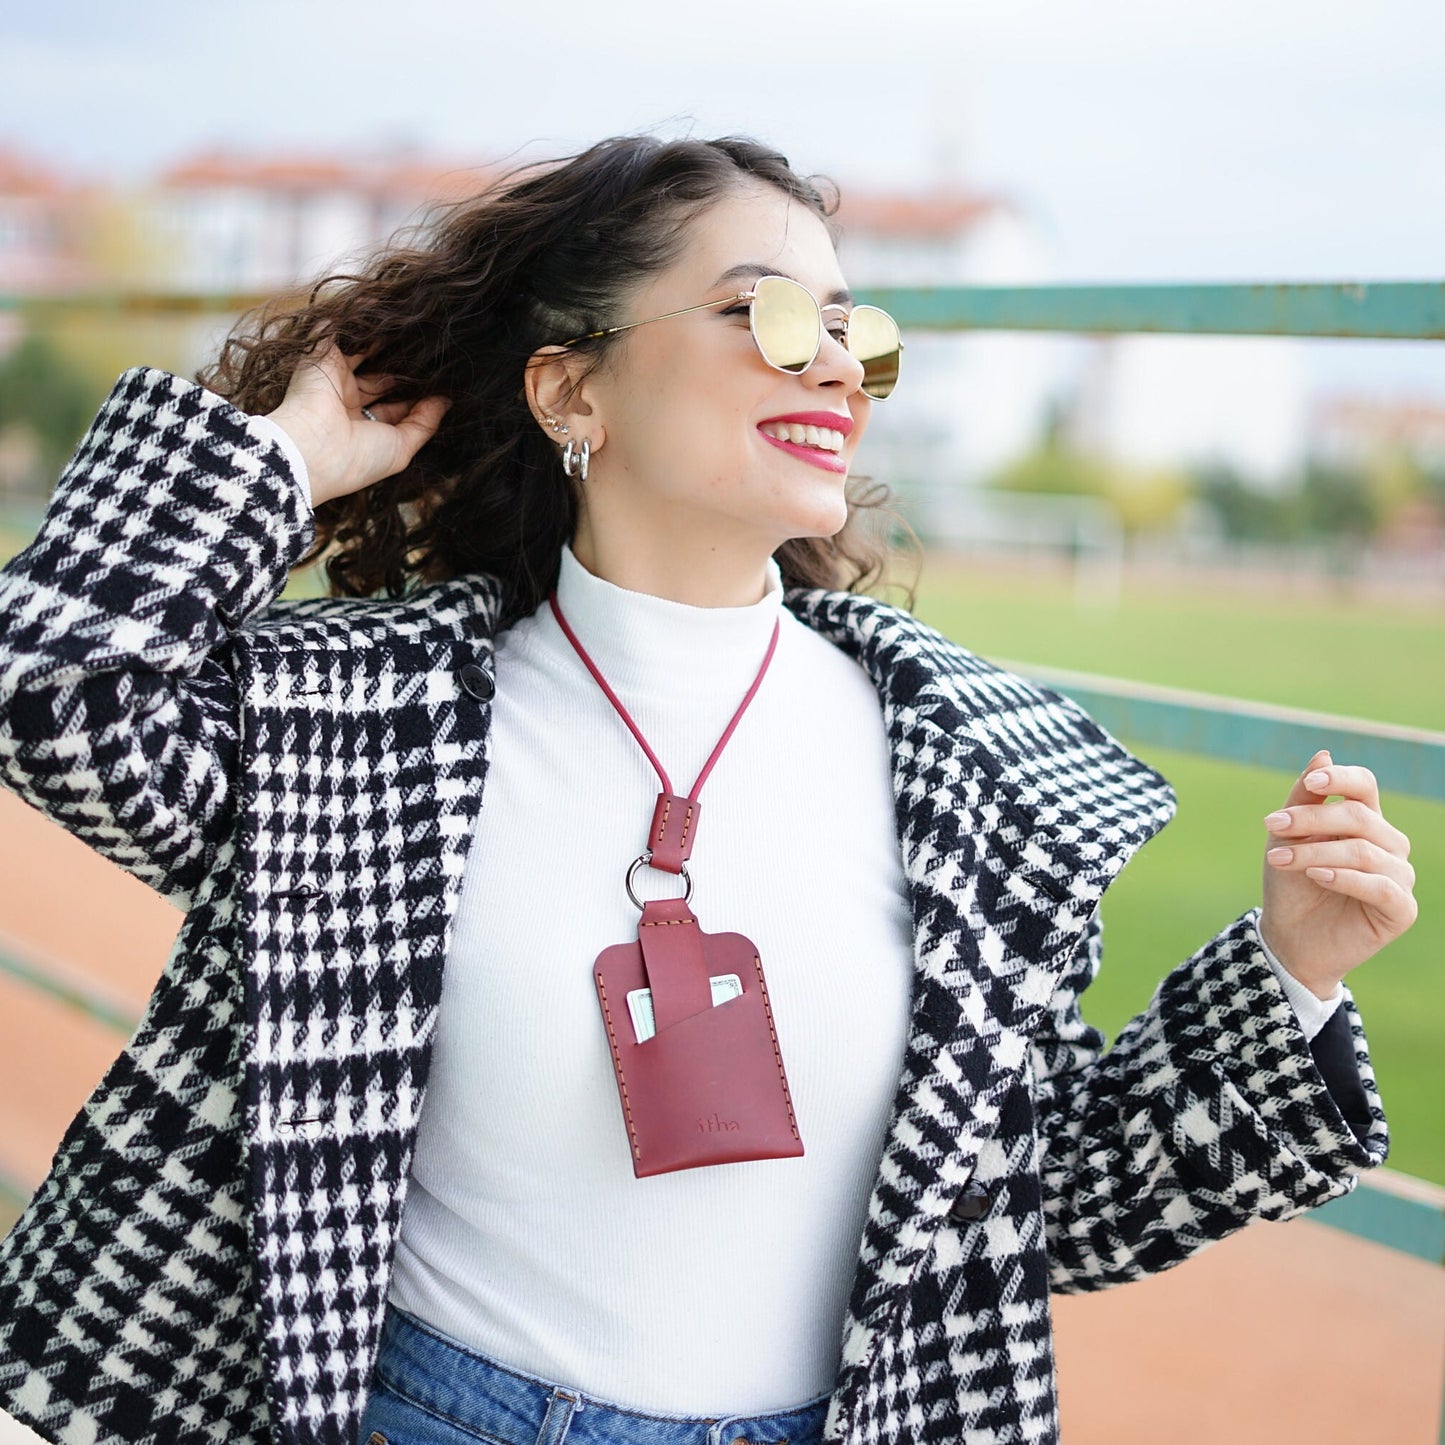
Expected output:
(1347, 819)
(326, 357)
(1356, 854)
(389, 412)
(371, 387)
(348, 435)
(1347, 782)
(397, 430)
(326, 360)
(1394, 903)
(419, 424)
(1345, 848)
(1299, 793)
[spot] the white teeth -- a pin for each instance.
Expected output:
(812, 436)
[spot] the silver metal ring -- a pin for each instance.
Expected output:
(647, 858)
(366, 412)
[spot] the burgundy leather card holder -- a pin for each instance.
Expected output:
(709, 1086)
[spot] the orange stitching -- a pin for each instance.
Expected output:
(617, 1064)
(664, 922)
(777, 1053)
(686, 825)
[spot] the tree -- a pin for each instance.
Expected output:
(46, 401)
(1144, 498)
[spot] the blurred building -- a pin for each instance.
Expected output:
(1239, 402)
(41, 229)
(966, 403)
(40, 212)
(1350, 430)
(247, 224)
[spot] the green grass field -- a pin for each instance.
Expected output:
(1203, 870)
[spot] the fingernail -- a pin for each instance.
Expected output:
(1280, 855)
(1276, 822)
(1317, 781)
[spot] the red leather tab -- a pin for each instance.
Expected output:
(672, 954)
(674, 826)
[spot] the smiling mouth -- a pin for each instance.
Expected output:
(806, 433)
(826, 457)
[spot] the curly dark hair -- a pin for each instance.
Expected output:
(456, 306)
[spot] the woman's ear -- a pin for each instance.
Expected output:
(556, 386)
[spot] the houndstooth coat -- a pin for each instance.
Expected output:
(208, 1258)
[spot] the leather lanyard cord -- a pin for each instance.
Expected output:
(617, 703)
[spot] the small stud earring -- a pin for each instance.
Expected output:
(556, 425)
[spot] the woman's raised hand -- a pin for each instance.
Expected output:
(343, 450)
(1337, 880)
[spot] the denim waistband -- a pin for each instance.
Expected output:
(431, 1390)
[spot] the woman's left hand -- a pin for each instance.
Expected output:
(1337, 883)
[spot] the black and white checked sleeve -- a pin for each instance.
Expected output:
(1211, 1110)
(177, 519)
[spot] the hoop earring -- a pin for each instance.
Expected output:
(574, 462)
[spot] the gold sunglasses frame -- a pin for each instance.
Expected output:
(751, 297)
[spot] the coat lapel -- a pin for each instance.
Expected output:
(1014, 812)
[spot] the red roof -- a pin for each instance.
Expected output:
(935, 213)
(20, 176)
(406, 176)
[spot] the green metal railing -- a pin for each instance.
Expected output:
(1391, 1209)
(1395, 310)
(1405, 760)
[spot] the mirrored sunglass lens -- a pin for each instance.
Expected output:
(873, 339)
(786, 323)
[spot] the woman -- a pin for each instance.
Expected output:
(588, 474)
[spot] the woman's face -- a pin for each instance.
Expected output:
(681, 410)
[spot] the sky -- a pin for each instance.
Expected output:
(1242, 140)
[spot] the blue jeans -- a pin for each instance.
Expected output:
(430, 1390)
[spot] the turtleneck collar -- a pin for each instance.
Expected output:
(651, 646)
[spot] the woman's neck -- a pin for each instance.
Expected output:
(700, 577)
(646, 644)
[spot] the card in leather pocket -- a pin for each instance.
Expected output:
(709, 1088)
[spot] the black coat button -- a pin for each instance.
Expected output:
(477, 682)
(972, 1203)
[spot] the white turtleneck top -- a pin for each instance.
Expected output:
(525, 1233)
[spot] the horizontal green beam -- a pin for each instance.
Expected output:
(1399, 310)
(14, 1196)
(83, 998)
(1404, 760)
(1400, 1212)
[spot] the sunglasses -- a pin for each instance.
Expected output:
(787, 326)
